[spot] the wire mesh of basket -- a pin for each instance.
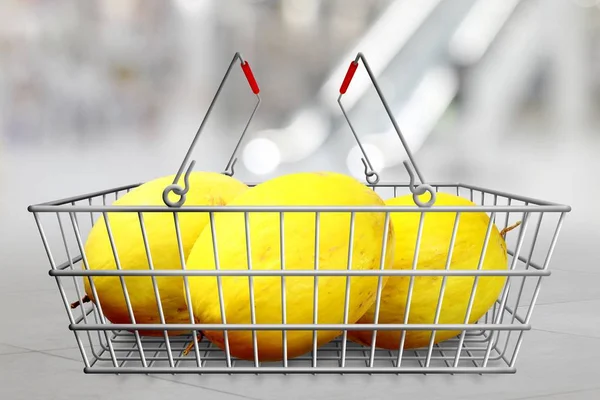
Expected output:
(490, 344)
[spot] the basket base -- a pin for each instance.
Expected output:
(123, 356)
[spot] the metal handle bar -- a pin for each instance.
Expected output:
(370, 175)
(229, 169)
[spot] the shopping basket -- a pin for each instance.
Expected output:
(490, 345)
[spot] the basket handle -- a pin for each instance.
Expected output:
(370, 175)
(229, 169)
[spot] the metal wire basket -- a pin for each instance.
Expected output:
(490, 345)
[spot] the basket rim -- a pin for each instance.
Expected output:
(533, 204)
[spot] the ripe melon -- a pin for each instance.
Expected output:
(301, 189)
(435, 242)
(206, 188)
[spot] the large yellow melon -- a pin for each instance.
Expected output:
(308, 189)
(206, 188)
(435, 243)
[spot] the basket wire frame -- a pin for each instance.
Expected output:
(490, 345)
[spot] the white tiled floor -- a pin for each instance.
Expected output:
(558, 359)
(35, 375)
(551, 364)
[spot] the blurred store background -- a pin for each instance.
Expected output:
(499, 93)
(503, 94)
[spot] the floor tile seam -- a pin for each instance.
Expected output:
(541, 396)
(563, 302)
(206, 388)
(566, 333)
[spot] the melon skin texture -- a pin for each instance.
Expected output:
(306, 189)
(206, 188)
(434, 247)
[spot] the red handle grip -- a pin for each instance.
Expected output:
(348, 77)
(250, 77)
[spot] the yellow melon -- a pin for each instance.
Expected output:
(301, 189)
(206, 188)
(435, 243)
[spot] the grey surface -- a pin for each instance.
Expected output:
(559, 357)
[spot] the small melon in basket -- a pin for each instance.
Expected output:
(300, 189)
(206, 188)
(433, 252)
